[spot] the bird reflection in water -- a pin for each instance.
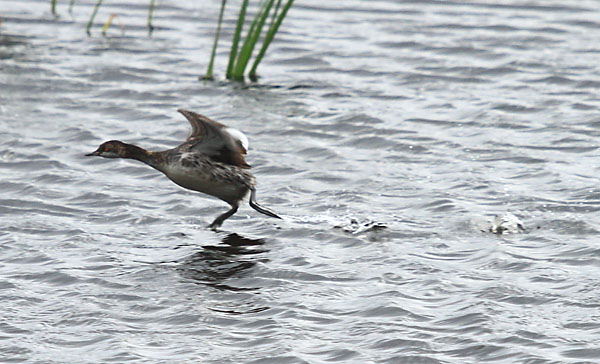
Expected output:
(215, 264)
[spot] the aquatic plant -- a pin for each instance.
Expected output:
(151, 7)
(150, 13)
(276, 21)
(53, 6)
(108, 23)
(91, 21)
(111, 19)
(238, 61)
(209, 72)
(88, 28)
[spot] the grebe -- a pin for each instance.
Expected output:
(210, 160)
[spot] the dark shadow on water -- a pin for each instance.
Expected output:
(11, 46)
(12, 40)
(255, 85)
(215, 264)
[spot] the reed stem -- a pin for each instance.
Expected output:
(150, 13)
(209, 71)
(91, 21)
(236, 39)
(275, 13)
(108, 24)
(268, 38)
(251, 38)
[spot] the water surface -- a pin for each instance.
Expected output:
(386, 133)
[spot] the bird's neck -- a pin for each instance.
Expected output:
(137, 153)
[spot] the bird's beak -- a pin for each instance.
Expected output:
(97, 152)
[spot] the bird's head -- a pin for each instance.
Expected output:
(111, 149)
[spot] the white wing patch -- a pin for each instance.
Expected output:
(239, 136)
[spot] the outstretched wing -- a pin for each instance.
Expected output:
(215, 140)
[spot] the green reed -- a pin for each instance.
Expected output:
(276, 21)
(236, 39)
(53, 7)
(150, 14)
(238, 61)
(239, 55)
(209, 72)
(91, 21)
(250, 41)
(88, 28)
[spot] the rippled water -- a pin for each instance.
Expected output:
(387, 133)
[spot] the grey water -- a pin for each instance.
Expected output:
(387, 134)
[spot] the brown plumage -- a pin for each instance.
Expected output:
(211, 160)
(214, 140)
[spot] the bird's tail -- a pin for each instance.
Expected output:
(259, 208)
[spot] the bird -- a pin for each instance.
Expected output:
(211, 160)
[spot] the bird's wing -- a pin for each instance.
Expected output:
(215, 140)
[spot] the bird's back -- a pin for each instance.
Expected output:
(215, 140)
(210, 160)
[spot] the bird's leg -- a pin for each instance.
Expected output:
(259, 208)
(219, 220)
